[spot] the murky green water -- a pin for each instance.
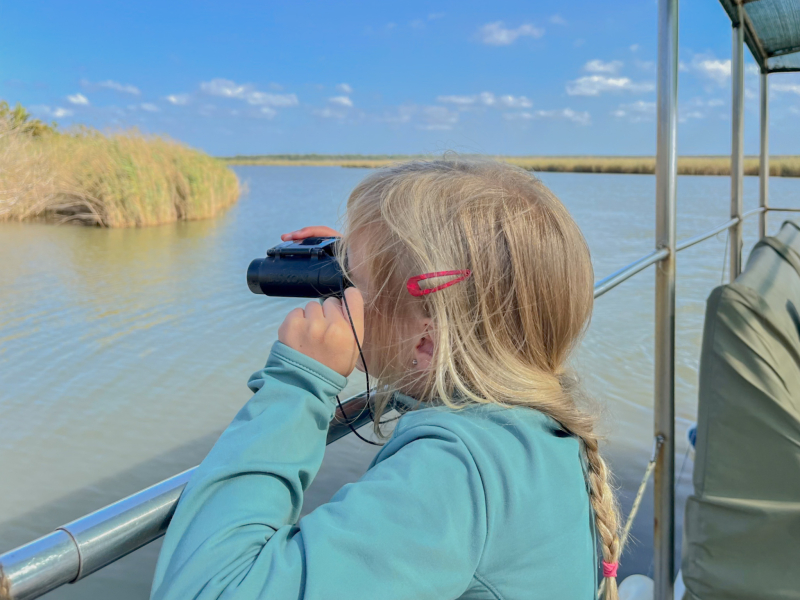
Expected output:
(124, 353)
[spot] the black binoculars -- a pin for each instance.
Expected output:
(304, 269)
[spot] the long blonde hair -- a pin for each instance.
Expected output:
(505, 333)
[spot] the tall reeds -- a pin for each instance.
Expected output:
(124, 179)
(780, 166)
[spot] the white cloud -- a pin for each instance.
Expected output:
(460, 100)
(487, 99)
(515, 101)
(693, 114)
(403, 115)
(581, 118)
(495, 34)
(124, 88)
(149, 107)
(514, 116)
(434, 16)
(268, 99)
(791, 88)
(594, 85)
(226, 88)
(178, 99)
(712, 68)
(344, 88)
(268, 112)
(341, 101)
(55, 113)
(429, 118)
(704, 103)
(329, 113)
(598, 66)
(719, 71)
(438, 118)
(557, 20)
(636, 111)
(634, 47)
(79, 99)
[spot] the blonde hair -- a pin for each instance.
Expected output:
(505, 333)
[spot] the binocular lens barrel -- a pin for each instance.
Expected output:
(296, 277)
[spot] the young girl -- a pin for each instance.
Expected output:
(491, 485)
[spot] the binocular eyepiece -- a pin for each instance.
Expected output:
(304, 269)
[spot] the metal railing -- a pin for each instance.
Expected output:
(88, 544)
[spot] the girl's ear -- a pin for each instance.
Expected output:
(423, 344)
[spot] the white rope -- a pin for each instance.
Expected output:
(637, 501)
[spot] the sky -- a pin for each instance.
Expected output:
(504, 77)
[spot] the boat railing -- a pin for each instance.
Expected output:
(78, 549)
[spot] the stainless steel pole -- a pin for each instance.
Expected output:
(664, 410)
(763, 169)
(737, 144)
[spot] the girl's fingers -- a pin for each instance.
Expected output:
(313, 311)
(323, 332)
(333, 310)
(290, 322)
(312, 231)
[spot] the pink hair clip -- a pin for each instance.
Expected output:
(415, 290)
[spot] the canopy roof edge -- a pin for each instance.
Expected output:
(771, 31)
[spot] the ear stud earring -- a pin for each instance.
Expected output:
(414, 362)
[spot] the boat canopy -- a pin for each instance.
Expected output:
(742, 523)
(771, 31)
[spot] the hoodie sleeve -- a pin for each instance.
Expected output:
(413, 527)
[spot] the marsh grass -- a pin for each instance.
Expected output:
(780, 166)
(124, 179)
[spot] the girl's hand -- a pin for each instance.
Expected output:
(324, 333)
(307, 232)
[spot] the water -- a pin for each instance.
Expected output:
(124, 353)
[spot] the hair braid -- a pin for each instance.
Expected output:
(605, 508)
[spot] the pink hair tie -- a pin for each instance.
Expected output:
(610, 569)
(413, 283)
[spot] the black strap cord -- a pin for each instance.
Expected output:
(366, 373)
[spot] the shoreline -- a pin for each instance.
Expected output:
(780, 165)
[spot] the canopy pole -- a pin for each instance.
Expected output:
(737, 144)
(763, 170)
(664, 409)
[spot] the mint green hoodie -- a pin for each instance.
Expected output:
(484, 502)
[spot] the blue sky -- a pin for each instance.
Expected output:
(378, 77)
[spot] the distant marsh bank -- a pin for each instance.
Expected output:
(780, 166)
(124, 179)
